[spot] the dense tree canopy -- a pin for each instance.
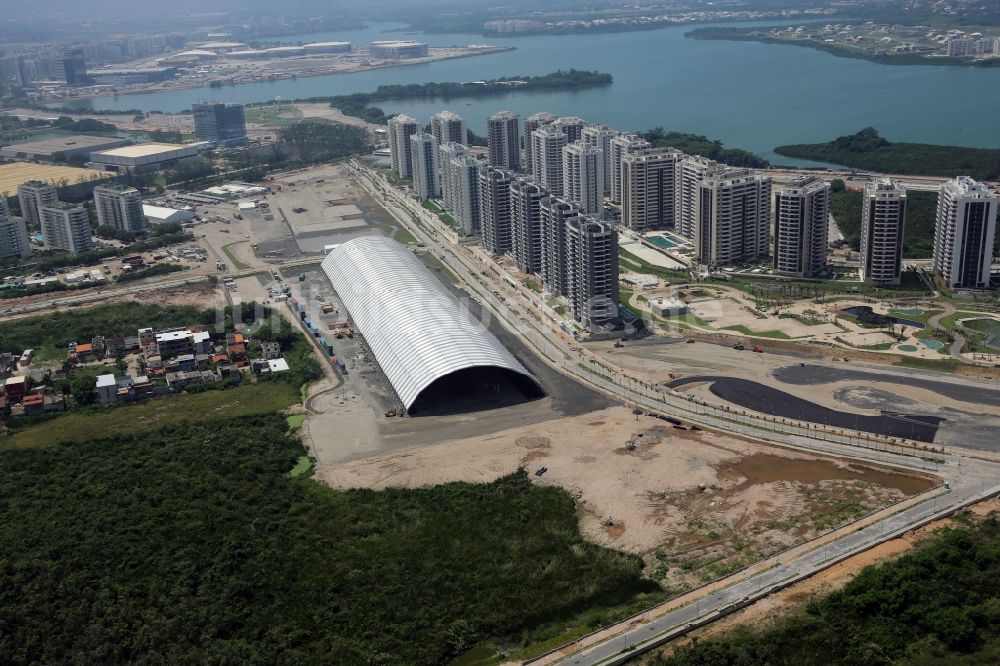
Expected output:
(871, 152)
(695, 144)
(193, 545)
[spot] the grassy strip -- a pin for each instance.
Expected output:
(740, 328)
(635, 264)
(944, 365)
(237, 264)
(154, 414)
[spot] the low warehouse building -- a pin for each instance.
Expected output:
(161, 214)
(145, 156)
(436, 355)
(668, 307)
(67, 146)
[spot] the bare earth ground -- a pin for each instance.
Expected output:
(698, 504)
(796, 596)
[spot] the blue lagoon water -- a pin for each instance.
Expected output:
(749, 95)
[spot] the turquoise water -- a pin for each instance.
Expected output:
(660, 241)
(754, 96)
(933, 344)
(907, 348)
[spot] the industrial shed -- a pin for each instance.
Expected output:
(432, 349)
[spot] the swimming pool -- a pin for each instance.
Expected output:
(933, 344)
(660, 241)
(907, 348)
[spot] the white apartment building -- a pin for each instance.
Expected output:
(801, 227)
(426, 182)
(600, 136)
(555, 213)
(571, 126)
(66, 227)
(622, 145)
(401, 128)
(882, 220)
(445, 154)
(690, 173)
(592, 270)
(734, 217)
(531, 123)
(448, 127)
(583, 177)
(546, 152)
(463, 174)
(503, 139)
(964, 233)
(961, 47)
(494, 209)
(649, 188)
(32, 196)
(119, 207)
(526, 227)
(14, 241)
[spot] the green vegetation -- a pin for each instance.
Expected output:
(49, 334)
(111, 232)
(740, 328)
(237, 264)
(303, 466)
(152, 415)
(867, 150)
(151, 271)
(316, 140)
(193, 544)
(83, 126)
(634, 264)
(937, 605)
(695, 144)
(943, 365)
(360, 104)
(295, 421)
(401, 235)
(921, 214)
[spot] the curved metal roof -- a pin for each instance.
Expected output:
(417, 329)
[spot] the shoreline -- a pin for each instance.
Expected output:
(149, 91)
(706, 34)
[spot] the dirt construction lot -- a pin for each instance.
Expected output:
(698, 504)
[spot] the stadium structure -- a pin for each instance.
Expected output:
(436, 355)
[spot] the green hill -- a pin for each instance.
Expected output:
(868, 151)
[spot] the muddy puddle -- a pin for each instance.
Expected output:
(766, 468)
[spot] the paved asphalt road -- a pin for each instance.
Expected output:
(768, 400)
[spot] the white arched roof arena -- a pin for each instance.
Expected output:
(417, 329)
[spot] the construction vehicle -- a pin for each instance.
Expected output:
(739, 346)
(302, 277)
(391, 412)
(759, 350)
(689, 341)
